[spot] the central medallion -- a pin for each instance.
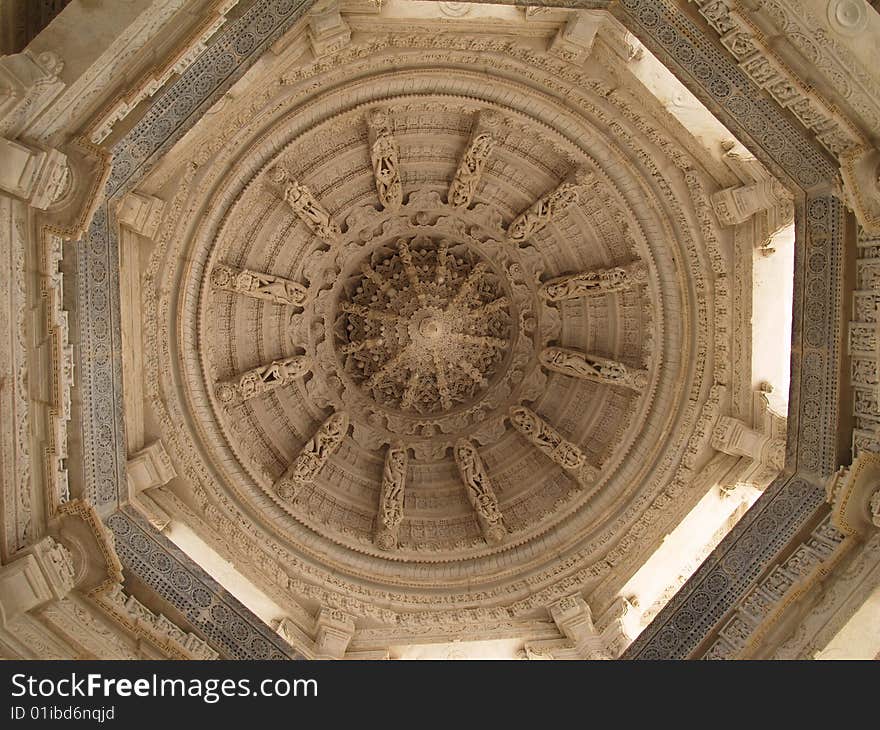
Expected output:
(424, 325)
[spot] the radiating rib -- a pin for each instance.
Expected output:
(489, 307)
(361, 311)
(382, 372)
(470, 282)
(380, 281)
(441, 273)
(412, 272)
(495, 342)
(409, 392)
(353, 347)
(442, 383)
(262, 379)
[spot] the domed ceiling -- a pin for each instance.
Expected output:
(441, 325)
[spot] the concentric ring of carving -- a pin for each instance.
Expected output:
(547, 467)
(426, 327)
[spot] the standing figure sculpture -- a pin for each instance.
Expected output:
(479, 491)
(385, 156)
(312, 457)
(391, 497)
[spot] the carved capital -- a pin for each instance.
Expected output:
(574, 40)
(141, 213)
(334, 631)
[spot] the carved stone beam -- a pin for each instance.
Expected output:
(262, 379)
(540, 214)
(479, 491)
(306, 206)
(312, 457)
(589, 283)
(258, 285)
(328, 31)
(391, 497)
(385, 155)
(474, 160)
(583, 365)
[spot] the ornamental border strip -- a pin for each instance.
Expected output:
(219, 618)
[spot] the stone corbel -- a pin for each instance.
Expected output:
(141, 213)
(328, 31)
(574, 40)
(41, 573)
(79, 528)
(41, 177)
(574, 619)
(732, 436)
(334, 631)
(854, 494)
(738, 204)
(28, 84)
(147, 470)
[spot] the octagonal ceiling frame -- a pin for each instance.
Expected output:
(792, 503)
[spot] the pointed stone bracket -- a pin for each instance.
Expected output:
(258, 285)
(391, 497)
(550, 206)
(479, 490)
(470, 169)
(385, 156)
(592, 283)
(306, 206)
(262, 379)
(546, 438)
(312, 457)
(578, 364)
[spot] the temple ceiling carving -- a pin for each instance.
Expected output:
(425, 337)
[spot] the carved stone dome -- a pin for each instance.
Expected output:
(438, 339)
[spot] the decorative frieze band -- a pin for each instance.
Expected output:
(219, 617)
